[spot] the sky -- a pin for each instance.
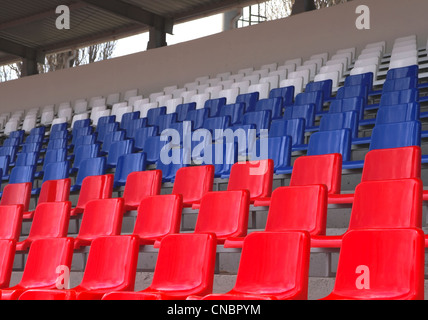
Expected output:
(182, 32)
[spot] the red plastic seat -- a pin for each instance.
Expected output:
(294, 208)
(381, 204)
(11, 222)
(273, 266)
(111, 266)
(157, 217)
(17, 193)
(224, 213)
(386, 164)
(94, 188)
(101, 218)
(193, 183)
(139, 185)
(308, 170)
(254, 176)
(185, 266)
(380, 264)
(7, 255)
(41, 268)
(51, 220)
(52, 191)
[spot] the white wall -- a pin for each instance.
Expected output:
(302, 35)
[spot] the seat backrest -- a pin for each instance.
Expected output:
(153, 114)
(272, 104)
(197, 117)
(338, 121)
(277, 149)
(398, 113)
(53, 156)
(7, 255)
(295, 128)
(260, 119)
(94, 188)
(56, 171)
(141, 184)
(55, 191)
(178, 268)
(399, 97)
(85, 151)
(286, 93)
(250, 100)
(360, 79)
(298, 208)
(400, 84)
(17, 193)
(256, 177)
(387, 204)
(321, 169)
(117, 149)
(380, 253)
(158, 216)
(193, 182)
(235, 111)
(112, 137)
(27, 159)
(396, 135)
(327, 142)
(128, 163)
(224, 213)
(306, 112)
(11, 221)
(111, 264)
(263, 271)
(183, 109)
(314, 97)
(395, 163)
(44, 258)
(411, 71)
(22, 174)
(214, 106)
(91, 167)
(51, 220)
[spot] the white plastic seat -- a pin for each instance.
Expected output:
(97, 102)
(253, 78)
(312, 68)
(202, 79)
(262, 88)
(345, 58)
(11, 126)
(171, 104)
(296, 82)
(237, 77)
(202, 87)
(381, 44)
(78, 117)
(102, 113)
(366, 69)
(270, 66)
(138, 103)
(29, 123)
(161, 100)
(261, 73)
(282, 74)
(297, 61)
(121, 111)
(130, 93)
(404, 55)
(59, 121)
(200, 99)
(323, 56)
(338, 67)
(404, 62)
(289, 68)
(304, 74)
(80, 107)
(66, 113)
(367, 62)
(113, 98)
(242, 85)
(187, 95)
(318, 63)
(333, 75)
(132, 100)
(214, 91)
(95, 111)
(226, 84)
(272, 80)
(213, 82)
(224, 75)
(144, 108)
(230, 95)
(191, 86)
(353, 52)
(177, 92)
(47, 117)
(170, 89)
(155, 95)
(246, 71)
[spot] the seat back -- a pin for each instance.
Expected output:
(193, 182)
(56, 171)
(95, 188)
(141, 184)
(396, 135)
(7, 255)
(11, 221)
(338, 121)
(274, 105)
(158, 216)
(224, 213)
(380, 253)
(306, 112)
(117, 149)
(315, 97)
(398, 113)
(286, 93)
(328, 142)
(214, 106)
(85, 151)
(55, 191)
(127, 164)
(17, 193)
(184, 270)
(22, 174)
(322, 169)
(399, 97)
(91, 167)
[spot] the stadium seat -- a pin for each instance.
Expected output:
(235, 111)
(250, 100)
(325, 87)
(7, 255)
(313, 97)
(197, 117)
(140, 185)
(93, 188)
(295, 128)
(214, 106)
(183, 109)
(368, 258)
(277, 149)
(398, 113)
(158, 216)
(396, 204)
(274, 105)
(41, 269)
(338, 121)
(101, 218)
(11, 222)
(260, 119)
(127, 164)
(51, 220)
(286, 93)
(111, 266)
(400, 84)
(141, 135)
(170, 166)
(306, 112)
(396, 135)
(89, 167)
(328, 142)
(399, 97)
(17, 193)
(264, 274)
(83, 152)
(110, 138)
(411, 71)
(224, 213)
(193, 183)
(179, 272)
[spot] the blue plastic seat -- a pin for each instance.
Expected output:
(399, 97)
(127, 164)
(353, 91)
(400, 84)
(223, 156)
(396, 135)
(58, 135)
(328, 142)
(104, 120)
(56, 171)
(129, 117)
(38, 131)
(80, 131)
(316, 98)
(295, 128)
(89, 139)
(34, 139)
(286, 93)
(18, 134)
(4, 166)
(274, 105)
(183, 109)
(54, 155)
(132, 126)
(11, 142)
(350, 104)
(118, 149)
(260, 119)
(89, 167)
(154, 114)
(103, 129)
(250, 100)
(57, 144)
(410, 71)
(398, 113)
(83, 152)
(365, 79)
(142, 135)
(9, 151)
(197, 117)
(337, 121)
(214, 106)
(218, 123)
(306, 112)
(110, 138)
(153, 147)
(84, 123)
(235, 111)
(278, 150)
(179, 159)
(22, 174)
(27, 159)
(163, 122)
(59, 127)
(325, 86)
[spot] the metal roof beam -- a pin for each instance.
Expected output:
(22, 51)
(134, 13)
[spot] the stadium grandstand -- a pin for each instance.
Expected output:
(282, 160)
